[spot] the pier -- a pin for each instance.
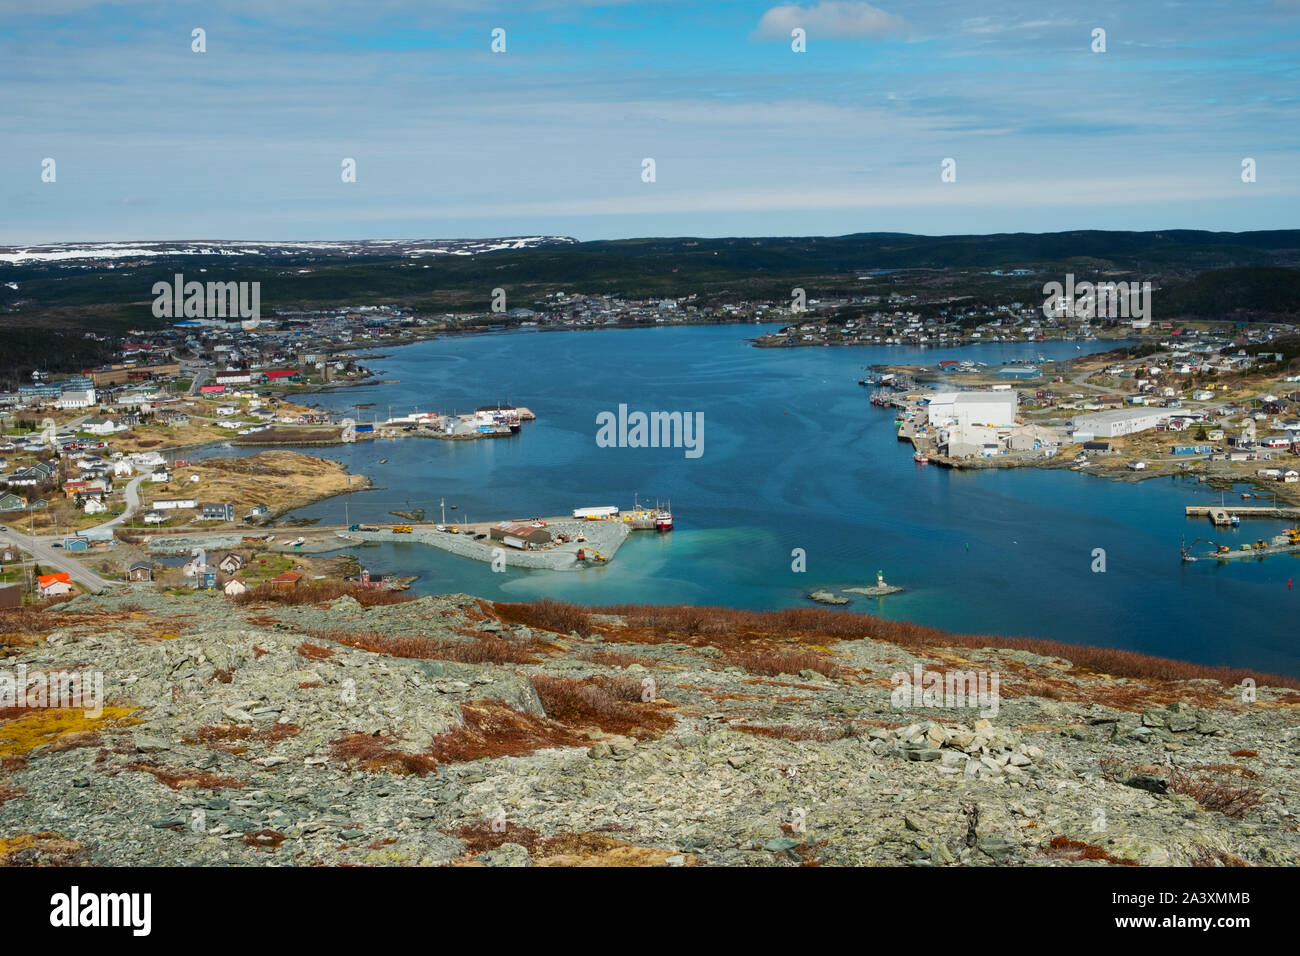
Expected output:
(1221, 515)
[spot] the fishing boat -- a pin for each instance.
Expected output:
(920, 459)
(664, 519)
(1236, 520)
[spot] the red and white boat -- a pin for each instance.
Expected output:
(664, 520)
(920, 459)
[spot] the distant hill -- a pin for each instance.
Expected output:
(1243, 294)
(106, 287)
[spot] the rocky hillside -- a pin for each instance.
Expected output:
(447, 730)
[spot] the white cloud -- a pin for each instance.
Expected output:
(834, 18)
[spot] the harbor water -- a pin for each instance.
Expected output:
(795, 460)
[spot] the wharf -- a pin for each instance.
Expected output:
(1221, 515)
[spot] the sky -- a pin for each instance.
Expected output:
(152, 140)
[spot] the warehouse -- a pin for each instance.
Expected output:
(1119, 422)
(994, 409)
(521, 536)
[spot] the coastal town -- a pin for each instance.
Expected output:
(88, 457)
(1209, 406)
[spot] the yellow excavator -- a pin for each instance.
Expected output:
(591, 556)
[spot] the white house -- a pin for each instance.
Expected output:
(235, 587)
(98, 426)
(172, 504)
(52, 585)
(95, 506)
(122, 468)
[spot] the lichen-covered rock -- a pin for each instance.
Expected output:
(415, 734)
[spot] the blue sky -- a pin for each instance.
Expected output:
(245, 141)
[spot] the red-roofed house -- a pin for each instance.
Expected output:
(289, 579)
(55, 584)
(281, 375)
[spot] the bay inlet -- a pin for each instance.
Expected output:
(797, 459)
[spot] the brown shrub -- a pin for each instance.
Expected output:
(547, 614)
(650, 624)
(73, 741)
(1212, 786)
(377, 754)
(1211, 856)
(480, 837)
(482, 649)
(564, 849)
(322, 593)
(490, 728)
(32, 619)
(614, 705)
(186, 779)
(1063, 848)
(42, 849)
(1215, 793)
(266, 839)
(790, 732)
(225, 733)
(611, 658)
(314, 652)
(772, 663)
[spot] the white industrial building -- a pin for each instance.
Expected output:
(1123, 421)
(992, 409)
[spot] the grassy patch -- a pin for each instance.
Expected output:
(23, 729)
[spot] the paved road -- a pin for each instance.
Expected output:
(41, 547)
(54, 559)
(132, 493)
(199, 381)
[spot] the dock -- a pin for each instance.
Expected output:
(1221, 515)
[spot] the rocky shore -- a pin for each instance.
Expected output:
(448, 730)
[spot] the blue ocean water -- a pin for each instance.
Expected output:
(794, 457)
